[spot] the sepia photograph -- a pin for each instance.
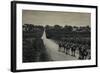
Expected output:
(48, 36)
(56, 36)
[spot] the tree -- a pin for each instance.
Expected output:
(68, 28)
(57, 27)
(88, 28)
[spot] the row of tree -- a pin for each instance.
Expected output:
(32, 28)
(67, 31)
(32, 31)
(69, 28)
(56, 31)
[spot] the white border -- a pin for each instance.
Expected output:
(21, 65)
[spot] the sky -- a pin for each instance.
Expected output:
(53, 17)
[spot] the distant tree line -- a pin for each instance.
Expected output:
(31, 30)
(56, 31)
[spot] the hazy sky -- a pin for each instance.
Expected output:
(52, 18)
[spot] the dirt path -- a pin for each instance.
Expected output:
(52, 50)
